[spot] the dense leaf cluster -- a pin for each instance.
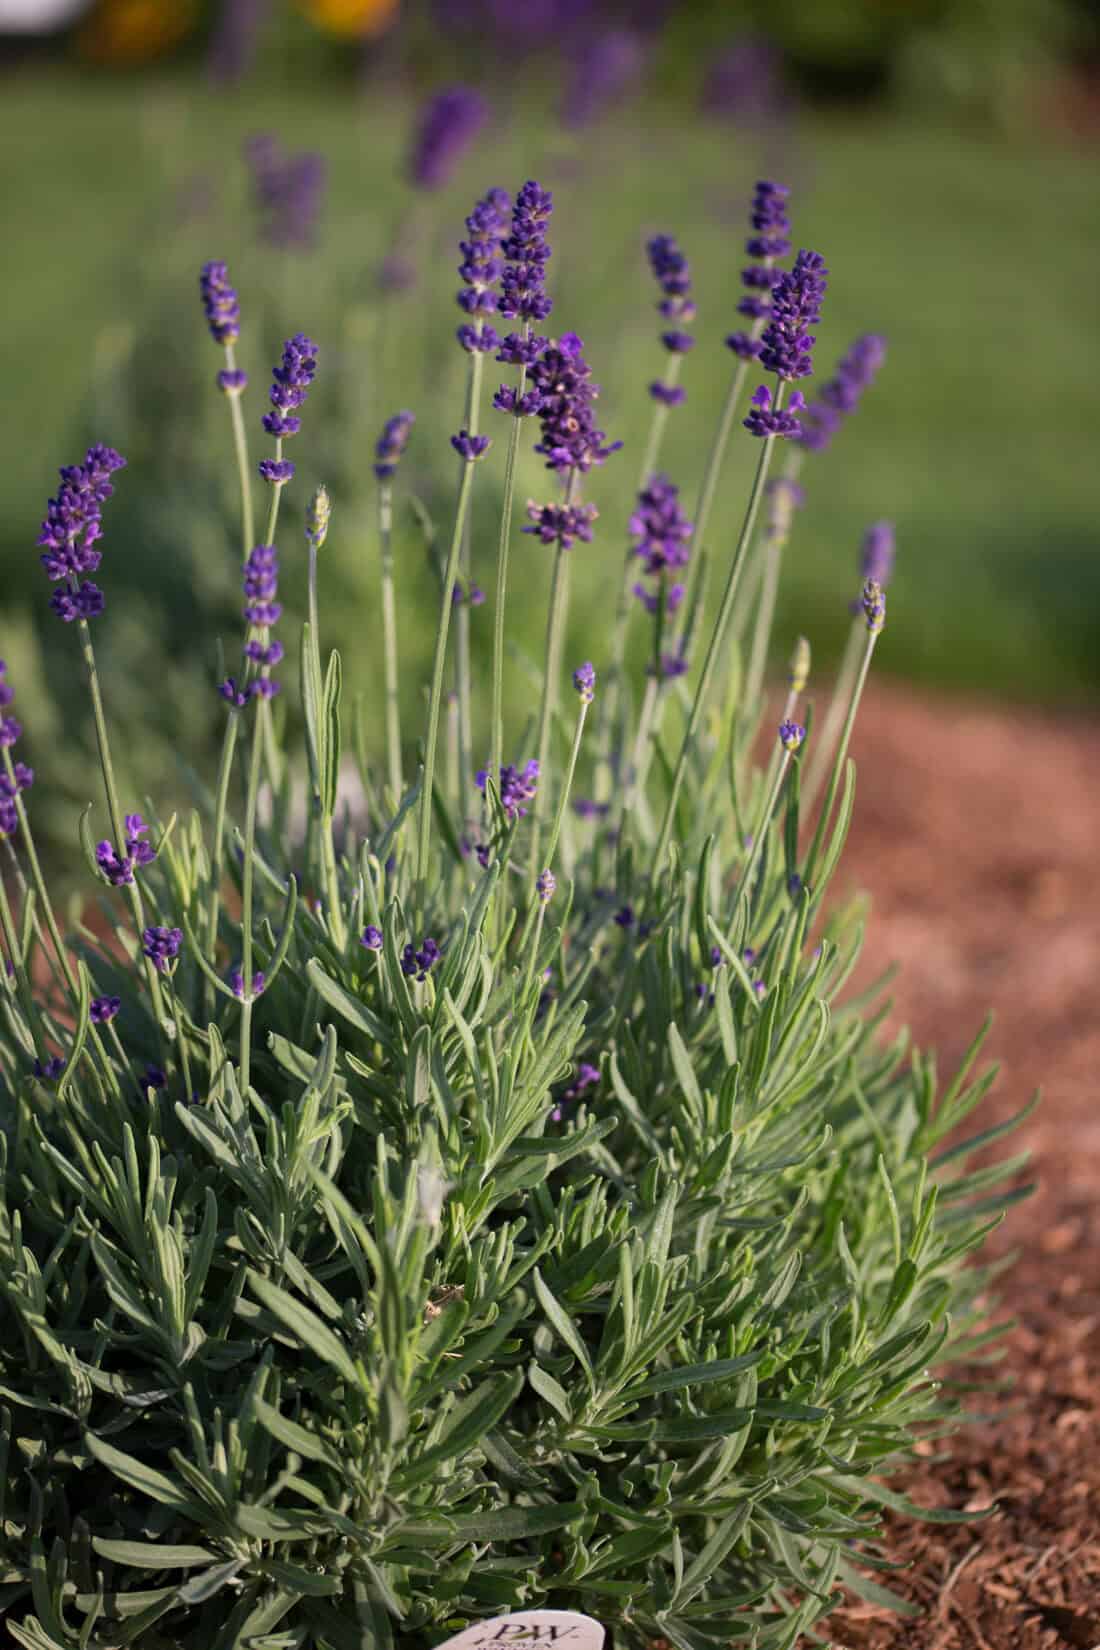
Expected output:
(385, 1347)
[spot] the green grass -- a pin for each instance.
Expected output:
(975, 256)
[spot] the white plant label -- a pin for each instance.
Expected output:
(530, 1630)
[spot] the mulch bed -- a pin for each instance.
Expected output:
(976, 833)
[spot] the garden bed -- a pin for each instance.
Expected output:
(975, 831)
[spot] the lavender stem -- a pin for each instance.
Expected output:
(715, 645)
(389, 643)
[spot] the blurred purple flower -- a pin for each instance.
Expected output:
(448, 124)
(604, 67)
(234, 40)
(746, 81)
(288, 190)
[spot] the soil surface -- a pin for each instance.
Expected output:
(976, 832)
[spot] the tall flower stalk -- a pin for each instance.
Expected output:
(677, 309)
(769, 241)
(388, 451)
(786, 348)
(571, 443)
(877, 564)
(523, 300)
(873, 611)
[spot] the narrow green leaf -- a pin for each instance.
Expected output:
(564, 1327)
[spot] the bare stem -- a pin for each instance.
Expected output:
(389, 642)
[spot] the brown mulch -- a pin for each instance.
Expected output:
(976, 831)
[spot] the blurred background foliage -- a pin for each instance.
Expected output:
(941, 153)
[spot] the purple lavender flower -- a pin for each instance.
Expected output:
(605, 66)
(874, 606)
(449, 122)
(480, 269)
(586, 808)
(670, 395)
(220, 301)
(419, 963)
(71, 529)
(840, 397)
(795, 305)
(763, 421)
(49, 1070)
(153, 1078)
(561, 524)
(770, 231)
(517, 786)
(288, 190)
(234, 40)
(669, 666)
(625, 916)
(791, 735)
(523, 279)
(587, 1077)
(509, 400)
(236, 983)
(290, 386)
(232, 382)
(672, 272)
(745, 82)
(470, 447)
(23, 779)
(118, 867)
(371, 937)
(104, 1009)
(570, 438)
(261, 611)
(545, 884)
(661, 531)
(161, 946)
(276, 470)
(584, 680)
(390, 446)
(877, 554)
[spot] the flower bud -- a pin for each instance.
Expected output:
(317, 517)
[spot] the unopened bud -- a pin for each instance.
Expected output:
(317, 517)
(800, 665)
(874, 606)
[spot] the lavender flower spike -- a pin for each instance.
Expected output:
(10, 730)
(768, 241)
(71, 529)
(874, 606)
(449, 123)
(570, 438)
(480, 269)
(391, 444)
(161, 946)
(523, 280)
(220, 301)
(877, 555)
(840, 397)
(584, 680)
(795, 305)
(791, 735)
(290, 386)
(545, 884)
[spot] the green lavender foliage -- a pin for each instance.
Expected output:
(378, 1345)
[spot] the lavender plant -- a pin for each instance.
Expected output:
(523, 1214)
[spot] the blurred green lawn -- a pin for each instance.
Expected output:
(974, 255)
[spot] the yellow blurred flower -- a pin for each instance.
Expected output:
(357, 19)
(135, 31)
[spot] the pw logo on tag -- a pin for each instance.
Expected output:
(530, 1630)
